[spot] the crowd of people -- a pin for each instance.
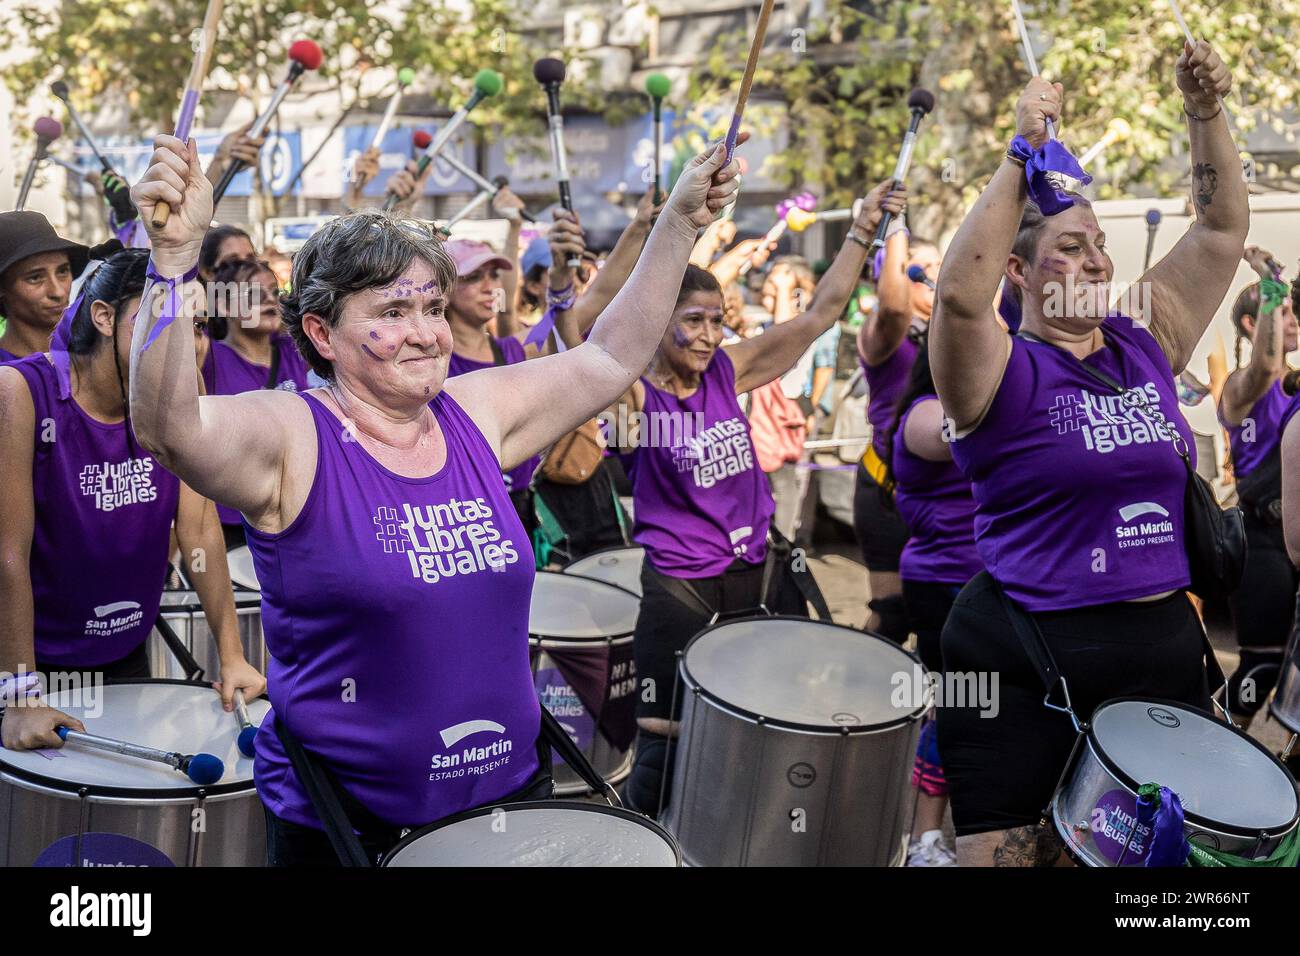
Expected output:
(396, 371)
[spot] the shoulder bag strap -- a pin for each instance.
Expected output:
(324, 792)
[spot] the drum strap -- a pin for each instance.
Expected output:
(324, 792)
(556, 736)
(189, 665)
(1040, 655)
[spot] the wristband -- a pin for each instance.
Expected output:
(1272, 293)
(171, 303)
(561, 299)
(854, 237)
(15, 687)
(1202, 119)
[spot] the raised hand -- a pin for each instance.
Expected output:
(883, 197)
(705, 187)
(1039, 102)
(1203, 78)
(175, 177)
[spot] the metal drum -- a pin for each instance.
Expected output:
(242, 572)
(792, 749)
(539, 833)
(83, 807)
(580, 632)
(1236, 796)
(1285, 702)
(182, 610)
(618, 566)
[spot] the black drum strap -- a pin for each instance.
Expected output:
(556, 736)
(781, 548)
(323, 791)
(193, 672)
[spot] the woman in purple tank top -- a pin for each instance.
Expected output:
(87, 514)
(1251, 409)
(934, 498)
(248, 348)
(887, 347)
(702, 507)
(395, 573)
(1069, 433)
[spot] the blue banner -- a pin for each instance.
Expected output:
(396, 150)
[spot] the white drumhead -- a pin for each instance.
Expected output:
(556, 835)
(567, 606)
(806, 673)
(171, 717)
(619, 566)
(241, 568)
(1217, 773)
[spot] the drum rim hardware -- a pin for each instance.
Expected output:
(622, 812)
(1203, 822)
(181, 794)
(835, 730)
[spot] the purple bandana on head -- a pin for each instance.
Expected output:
(1051, 157)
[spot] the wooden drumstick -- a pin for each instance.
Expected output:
(760, 31)
(193, 87)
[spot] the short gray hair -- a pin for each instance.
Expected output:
(351, 254)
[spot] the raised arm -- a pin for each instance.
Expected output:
(761, 359)
(884, 331)
(924, 433)
(1188, 284)
(1246, 386)
(197, 439)
(509, 206)
(525, 407)
(968, 348)
(613, 274)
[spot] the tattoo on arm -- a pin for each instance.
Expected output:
(1205, 182)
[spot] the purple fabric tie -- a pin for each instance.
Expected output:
(171, 305)
(1160, 809)
(1051, 157)
(63, 333)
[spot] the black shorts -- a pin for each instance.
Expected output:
(927, 604)
(666, 624)
(1263, 613)
(879, 528)
(1002, 769)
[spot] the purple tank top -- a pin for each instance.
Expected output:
(700, 499)
(519, 477)
(885, 384)
(1079, 495)
(7, 356)
(104, 512)
(1259, 432)
(935, 501)
(396, 620)
(226, 372)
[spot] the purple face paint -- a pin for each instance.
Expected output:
(366, 348)
(680, 338)
(1053, 264)
(375, 336)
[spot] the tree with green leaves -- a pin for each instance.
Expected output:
(846, 80)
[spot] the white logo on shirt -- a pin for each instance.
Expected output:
(114, 485)
(718, 452)
(441, 541)
(1112, 421)
(472, 760)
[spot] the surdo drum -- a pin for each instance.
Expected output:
(182, 610)
(793, 750)
(81, 807)
(539, 833)
(580, 637)
(618, 566)
(1236, 797)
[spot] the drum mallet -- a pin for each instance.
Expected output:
(47, 130)
(193, 89)
(920, 103)
(203, 769)
(657, 87)
(1117, 130)
(247, 732)
(486, 83)
(772, 236)
(747, 81)
(60, 89)
(303, 55)
(483, 183)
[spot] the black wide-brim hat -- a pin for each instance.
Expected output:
(26, 234)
